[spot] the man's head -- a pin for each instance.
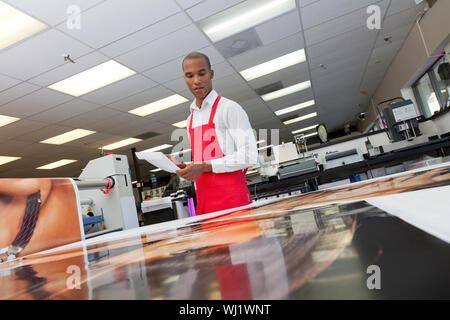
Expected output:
(198, 74)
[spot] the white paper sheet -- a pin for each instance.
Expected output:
(158, 159)
(426, 209)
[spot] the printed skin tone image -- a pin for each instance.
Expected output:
(53, 212)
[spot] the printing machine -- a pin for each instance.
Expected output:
(405, 139)
(105, 188)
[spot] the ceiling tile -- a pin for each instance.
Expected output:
(341, 44)
(65, 111)
(185, 4)
(14, 148)
(386, 52)
(141, 99)
(279, 28)
(7, 82)
(340, 25)
(69, 69)
(59, 9)
(86, 120)
(325, 10)
(304, 3)
(40, 54)
(19, 128)
(398, 6)
(147, 35)
(44, 133)
(395, 35)
(167, 115)
(178, 86)
(263, 54)
(16, 92)
(119, 90)
(288, 76)
(34, 102)
(210, 7)
(165, 49)
(118, 22)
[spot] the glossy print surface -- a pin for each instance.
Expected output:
(308, 246)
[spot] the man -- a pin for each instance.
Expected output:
(222, 142)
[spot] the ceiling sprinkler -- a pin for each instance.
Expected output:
(67, 58)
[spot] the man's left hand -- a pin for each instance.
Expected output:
(194, 170)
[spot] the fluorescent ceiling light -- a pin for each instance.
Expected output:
(274, 65)
(295, 108)
(243, 16)
(158, 148)
(159, 105)
(260, 141)
(262, 148)
(4, 120)
(69, 136)
(120, 144)
(305, 129)
(286, 91)
(155, 170)
(16, 25)
(5, 159)
(56, 164)
(310, 135)
(93, 78)
(181, 124)
(311, 115)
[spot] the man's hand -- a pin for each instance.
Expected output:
(177, 163)
(193, 170)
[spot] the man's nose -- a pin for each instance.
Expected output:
(196, 80)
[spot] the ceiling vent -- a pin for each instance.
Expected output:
(239, 43)
(269, 88)
(147, 135)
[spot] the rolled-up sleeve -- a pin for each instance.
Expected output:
(245, 152)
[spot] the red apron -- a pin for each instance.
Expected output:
(215, 191)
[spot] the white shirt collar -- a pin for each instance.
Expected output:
(207, 102)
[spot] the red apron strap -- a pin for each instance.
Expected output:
(213, 110)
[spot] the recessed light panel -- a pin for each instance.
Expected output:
(243, 16)
(56, 164)
(159, 105)
(5, 120)
(16, 25)
(305, 129)
(274, 65)
(69, 136)
(295, 108)
(286, 91)
(6, 159)
(92, 79)
(120, 144)
(298, 119)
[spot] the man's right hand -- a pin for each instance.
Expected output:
(177, 163)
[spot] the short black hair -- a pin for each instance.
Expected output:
(197, 55)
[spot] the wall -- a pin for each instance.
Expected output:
(412, 59)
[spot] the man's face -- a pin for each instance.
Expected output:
(198, 77)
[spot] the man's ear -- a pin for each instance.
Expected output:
(212, 74)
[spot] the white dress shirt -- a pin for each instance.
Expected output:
(234, 133)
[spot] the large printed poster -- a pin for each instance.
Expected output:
(36, 215)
